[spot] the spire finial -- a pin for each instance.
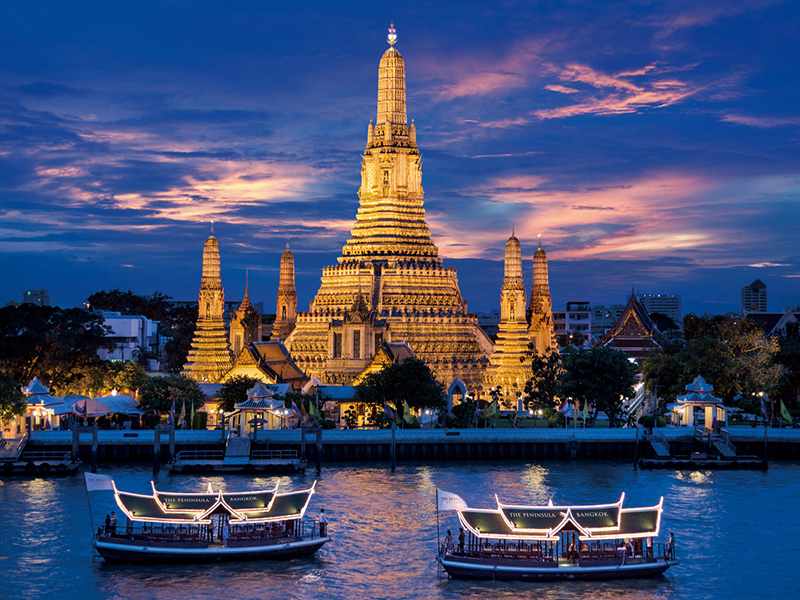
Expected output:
(287, 244)
(212, 227)
(512, 228)
(540, 240)
(392, 39)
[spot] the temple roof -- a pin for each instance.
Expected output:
(634, 333)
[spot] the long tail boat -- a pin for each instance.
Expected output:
(208, 527)
(551, 542)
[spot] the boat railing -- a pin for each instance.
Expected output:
(199, 455)
(605, 552)
(46, 456)
(273, 454)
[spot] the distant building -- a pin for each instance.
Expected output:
(754, 297)
(604, 317)
(669, 305)
(130, 333)
(576, 319)
(37, 297)
(489, 322)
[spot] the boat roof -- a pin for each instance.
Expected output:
(601, 521)
(192, 508)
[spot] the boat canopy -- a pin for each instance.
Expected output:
(543, 523)
(193, 508)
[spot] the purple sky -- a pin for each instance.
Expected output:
(651, 143)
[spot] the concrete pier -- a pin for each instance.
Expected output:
(425, 444)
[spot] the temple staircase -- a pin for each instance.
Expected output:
(237, 451)
(376, 292)
(659, 444)
(11, 448)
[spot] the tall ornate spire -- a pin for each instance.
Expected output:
(390, 224)
(392, 85)
(210, 356)
(286, 306)
(540, 307)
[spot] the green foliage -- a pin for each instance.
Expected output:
(234, 391)
(733, 354)
(542, 389)
(160, 392)
(788, 359)
(57, 346)
(12, 400)
(554, 417)
(127, 376)
(179, 331)
(155, 307)
(601, 376)
(200, 420)
(464, 413)
(328, 424)
(410, 380)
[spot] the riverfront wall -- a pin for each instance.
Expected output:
(425, 445)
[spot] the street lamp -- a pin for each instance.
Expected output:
(540, 416)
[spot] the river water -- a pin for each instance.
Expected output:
(736, 533)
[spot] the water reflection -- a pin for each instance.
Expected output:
(384, 532)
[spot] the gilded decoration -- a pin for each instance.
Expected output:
(389, 283)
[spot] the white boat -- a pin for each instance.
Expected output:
(551, 542)
(208, 527)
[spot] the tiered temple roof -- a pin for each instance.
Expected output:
(391, 263)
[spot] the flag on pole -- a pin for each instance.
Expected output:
(171, 417)
(475, 415)
(714, 421)
(764, 410)
(407, 416)
(191, 422)
(297, 412)
(388, 411)
(95, 482)
(449, 501)
(491, 410)
(785, 414)
(182, 416)
(585, 411)
(314, 411)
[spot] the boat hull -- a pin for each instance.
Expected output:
(125, 551)
(497, 570)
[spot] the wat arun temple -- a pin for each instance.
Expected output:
(390, 284)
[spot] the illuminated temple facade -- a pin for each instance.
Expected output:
(210, 356)
(389, 284)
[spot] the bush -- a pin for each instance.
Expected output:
(150, 420)
(200, 420)
(328, 424)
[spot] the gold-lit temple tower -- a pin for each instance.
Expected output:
(210, 356)
(506, 370)
(245, 324)
(286, 306)
(390, 284)
(540, 309)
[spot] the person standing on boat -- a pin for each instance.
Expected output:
(649, 544)
(323, 523)
(112, 523)
(108, 524)
(461, 539)
(226, 532)
(448, 543)
(670, 546)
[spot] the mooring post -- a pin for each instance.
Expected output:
(302, 442)
(636, 449)
(94, 448)
(319, 449)
(392, 449)
(156, 449)
(76, 436)
(171, 442)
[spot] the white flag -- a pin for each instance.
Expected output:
(449, 501)
(96, 482)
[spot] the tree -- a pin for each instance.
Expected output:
(788, 358)
(160, 392)
(410, 381)
(179, 330)
(12, 400)
(733, 354)
(602, 376)
(155, 307)
(234, 391)
(57, 346)
(542, 390)
(126, 376)
(663, 322)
